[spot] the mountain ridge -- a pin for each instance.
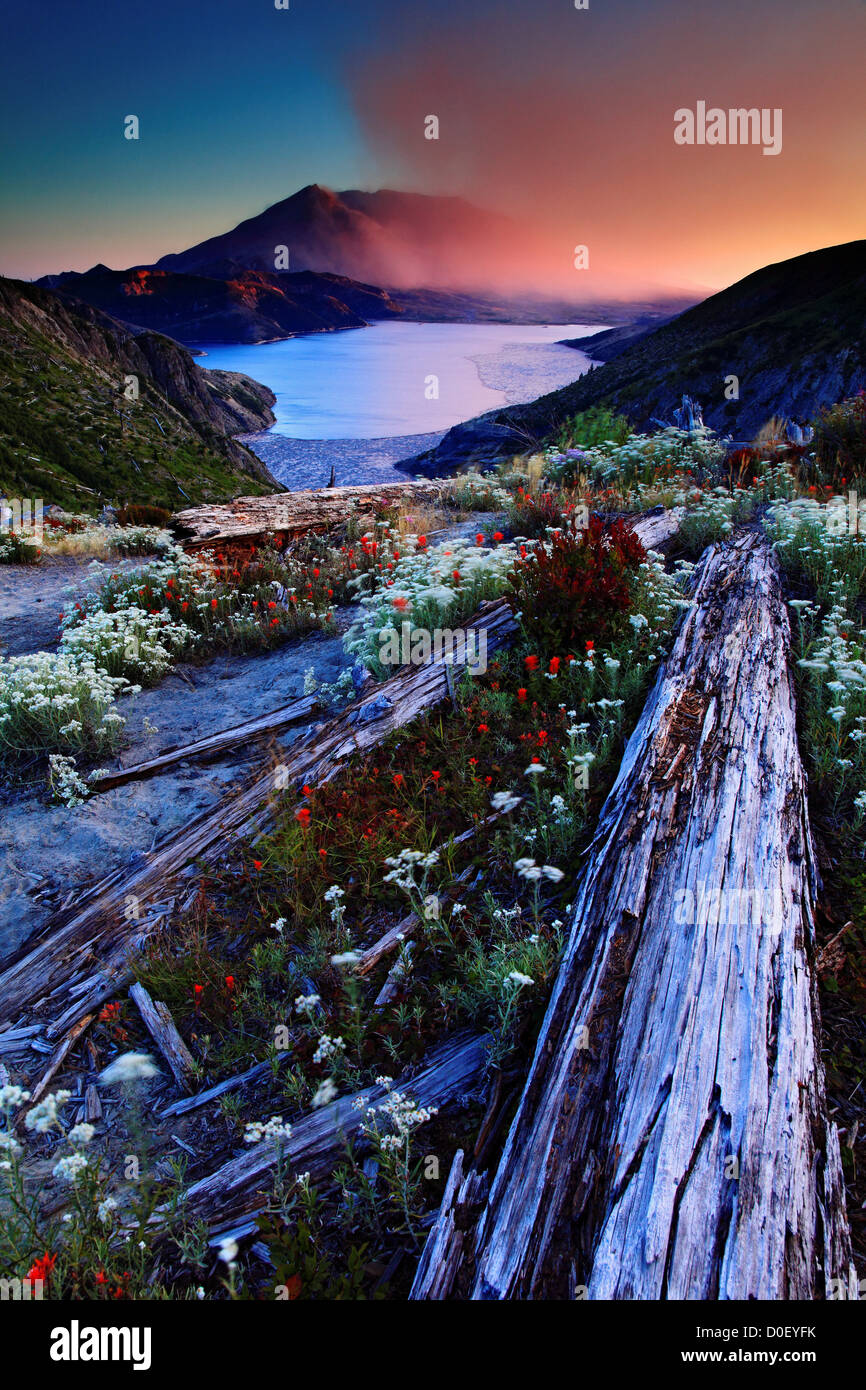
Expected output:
(792, 333)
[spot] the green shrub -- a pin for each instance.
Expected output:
(840, 441)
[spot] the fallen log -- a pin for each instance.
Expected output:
(213, 746)
(443, 1251)
(291, 514)
(656, 527)
(671, 1141)
(181, 1107)
(161, 1027)
(84, 954)
(236, 1189)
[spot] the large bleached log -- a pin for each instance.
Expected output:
(291, 514)
(318, 1140)
(671, 1141)
(83, 955)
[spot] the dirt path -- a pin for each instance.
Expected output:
(32, 598)
(48, 851)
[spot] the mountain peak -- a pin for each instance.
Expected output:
(381, 238)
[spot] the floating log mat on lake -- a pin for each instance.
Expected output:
(672, 1140)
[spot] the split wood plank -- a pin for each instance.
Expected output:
(161, 1027)
(225, 741)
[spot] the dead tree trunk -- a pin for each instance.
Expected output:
(290, 514)
(672, 1141)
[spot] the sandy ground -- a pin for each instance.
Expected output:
(47, 851)
(32, 598)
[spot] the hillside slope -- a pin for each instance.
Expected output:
(794, 334)
(68, 433)
(252, 307)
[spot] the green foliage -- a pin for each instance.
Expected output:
(840, 441)
(592, 427)
(577, 586)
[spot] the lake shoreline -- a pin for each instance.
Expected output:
(307, 463)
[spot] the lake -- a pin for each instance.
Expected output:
(390, 390)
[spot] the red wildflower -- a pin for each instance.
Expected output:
(397, 779)
(257, 863)
(531, 663)
(455, 575)
(521, 694)
(554, 665)
(400, 603)
(213, 603)
(590, 646)
(497, 536)
(479, 539)
(303, 816)
(230, 983)
(483, 729)
(42, 1268)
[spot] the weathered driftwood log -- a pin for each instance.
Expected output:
(161, 1027)
(232, 1083)
(443, 1251)
(290, 514)
(671, 1141)
(214, 745)
(82, 956)
(656, 527)
(318, 1140)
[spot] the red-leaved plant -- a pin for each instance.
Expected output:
(577, 585)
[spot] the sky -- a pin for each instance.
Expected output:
(561, 118)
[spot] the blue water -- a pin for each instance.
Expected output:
(374, 383)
